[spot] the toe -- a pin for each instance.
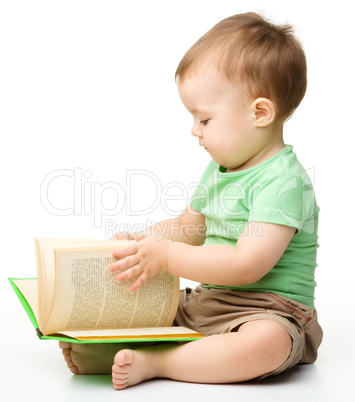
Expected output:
(74, 370)
(65, 345)
(123, 357)
(124, 369)
(65, 352)
(71, 366)
(120, 385)
(119, 376)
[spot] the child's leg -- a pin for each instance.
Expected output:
(257, 348)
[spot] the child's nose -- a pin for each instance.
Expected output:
(196, 130)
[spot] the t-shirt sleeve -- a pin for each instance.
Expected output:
(286, 201)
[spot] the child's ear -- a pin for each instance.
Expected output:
(263, 112)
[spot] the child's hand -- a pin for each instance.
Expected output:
(145, 258)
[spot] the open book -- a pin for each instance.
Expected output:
(76, 298)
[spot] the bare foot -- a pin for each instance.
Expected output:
(132, 367)
(89, 358)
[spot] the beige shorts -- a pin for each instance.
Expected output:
(217, 311)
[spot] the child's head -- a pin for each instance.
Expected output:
(254, 56)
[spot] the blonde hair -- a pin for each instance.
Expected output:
(261, 57)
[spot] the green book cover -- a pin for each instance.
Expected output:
(148, 338)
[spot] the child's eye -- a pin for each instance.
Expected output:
(204, 122)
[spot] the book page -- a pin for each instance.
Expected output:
(88, 295)
(46, 267)
(132, 333)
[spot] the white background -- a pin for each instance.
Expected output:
(87, 87)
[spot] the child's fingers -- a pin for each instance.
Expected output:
(125, 251)
(143, 277)
(129, 273)
(125, 263)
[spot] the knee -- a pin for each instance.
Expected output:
(270, 341)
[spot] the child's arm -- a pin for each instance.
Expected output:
(252, 258)
(189, 227)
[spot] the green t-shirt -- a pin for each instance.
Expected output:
(278, 191)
